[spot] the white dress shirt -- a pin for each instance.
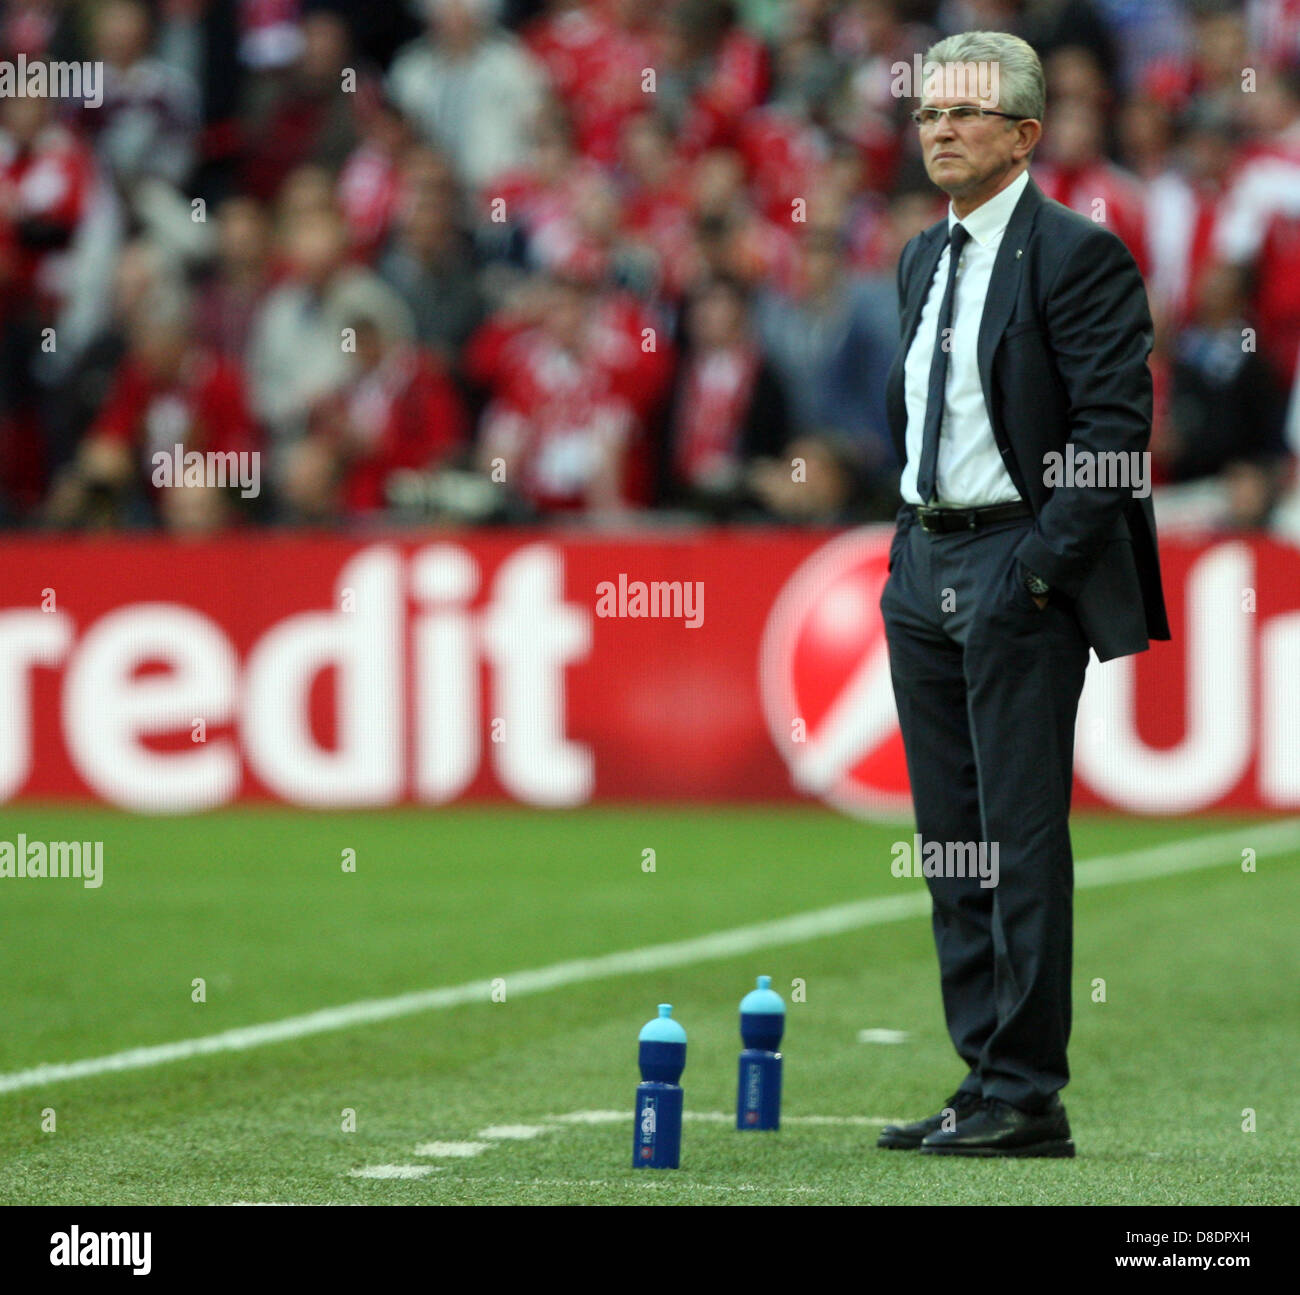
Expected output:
(970, 470)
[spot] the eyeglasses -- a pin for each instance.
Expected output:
(961, 114)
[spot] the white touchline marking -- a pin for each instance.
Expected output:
(854, 1120)
(639, 1183)
(883, 1036)
(393, 1171)
(507, 1132)
(456, 1150)
(729, 1117)
(511, 1132)
(717, 1117)
(1106, 870)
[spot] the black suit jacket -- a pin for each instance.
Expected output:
(1062, 354)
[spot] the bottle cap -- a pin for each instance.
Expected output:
(762, 999)
(663, 1029)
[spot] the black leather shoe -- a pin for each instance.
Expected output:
(997, 1128)
(907, 1137)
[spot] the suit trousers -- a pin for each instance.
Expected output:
(987, 688)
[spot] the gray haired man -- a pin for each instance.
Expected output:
(1025, 327)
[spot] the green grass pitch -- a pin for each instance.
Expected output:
(1198, 1027)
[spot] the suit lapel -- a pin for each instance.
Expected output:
(927, 261)
(920, 275)
(1004, 285)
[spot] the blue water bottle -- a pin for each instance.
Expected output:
(657, 1134)
(762, 1022)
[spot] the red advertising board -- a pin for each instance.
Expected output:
(558, 669)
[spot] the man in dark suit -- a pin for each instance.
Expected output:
(1025, 327)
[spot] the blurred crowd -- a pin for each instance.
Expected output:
(499, 260)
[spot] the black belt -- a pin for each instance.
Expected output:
(937, 520)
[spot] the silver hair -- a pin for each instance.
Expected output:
(1022, 91)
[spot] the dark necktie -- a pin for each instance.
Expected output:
(925, 477)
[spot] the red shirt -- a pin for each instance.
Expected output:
(1258, 223)
(738, 82)
(596, 68)
(49, 183)
(369, 188)
(782, 158)
(529, 374)
(555, 418)
(204, 409)
(1119, 190)
(407, 413)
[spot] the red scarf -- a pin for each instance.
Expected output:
(718, 391)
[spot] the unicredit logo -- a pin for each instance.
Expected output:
(824, 676)
(324, 673)
(1210, 718)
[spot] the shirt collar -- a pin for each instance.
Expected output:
(989, 219)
